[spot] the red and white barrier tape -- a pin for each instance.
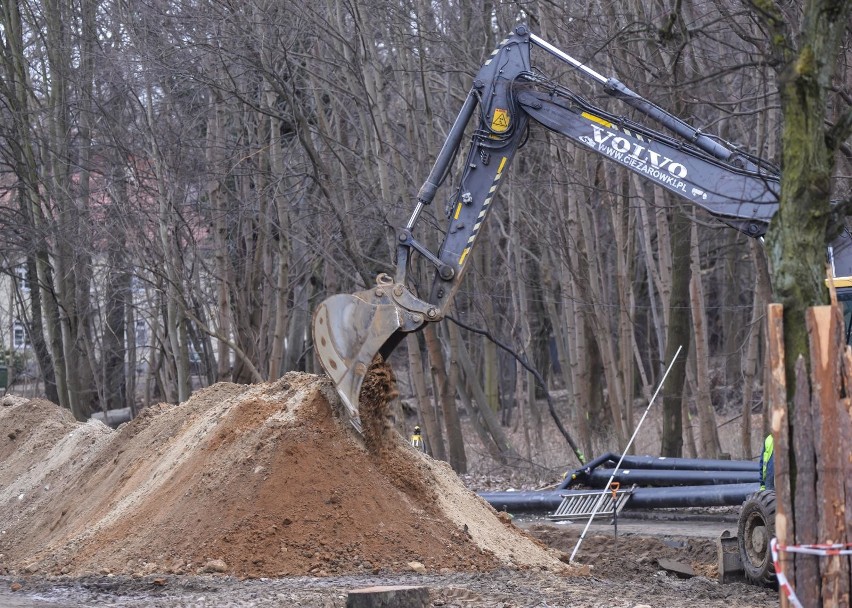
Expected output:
(824, 550)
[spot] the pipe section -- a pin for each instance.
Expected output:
(649, 477)
(582, 474)
(642, 498)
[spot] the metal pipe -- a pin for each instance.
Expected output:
(689, 464)
(588, 468)
(649, 477)
(658, 463)
(642, 498)
(725, 495)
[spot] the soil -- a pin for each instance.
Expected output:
(265, 495)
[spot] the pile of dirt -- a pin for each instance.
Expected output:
(263, 480)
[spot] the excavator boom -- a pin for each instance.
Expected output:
(736, 187)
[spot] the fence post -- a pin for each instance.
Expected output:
(776, 395)
(825, 334)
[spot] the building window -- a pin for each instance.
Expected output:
(141, 333)
(19, 336)
(137, 286)
(21, 278)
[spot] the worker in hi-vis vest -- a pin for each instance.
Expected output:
(767, 464)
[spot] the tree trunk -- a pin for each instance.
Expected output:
(749, 374)
(282, 242)
(433, 436)
(214, 158)
(114, 351)
(18, 98)
(733, 319)
(678, 336)
(488, 415)
(490, 362)
(39, 322)
(710, 447)
(452, 423)
(796, 239)
(594, 282)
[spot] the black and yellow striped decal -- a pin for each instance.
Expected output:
(495, 51)
(482, 212)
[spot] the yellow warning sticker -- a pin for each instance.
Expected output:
(500, 120)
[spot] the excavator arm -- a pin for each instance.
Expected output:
(739, 189)
(350, 330)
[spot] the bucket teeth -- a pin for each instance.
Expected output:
(354, 416)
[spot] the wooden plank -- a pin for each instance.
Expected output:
(825, 335)
(388, 597)
(804, 500)
(779, 424)
(846, 439)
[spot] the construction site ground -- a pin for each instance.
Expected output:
(264, 496)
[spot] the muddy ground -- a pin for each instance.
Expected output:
(264, 496)
(623, 572)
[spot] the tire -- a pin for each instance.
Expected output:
(755, 529)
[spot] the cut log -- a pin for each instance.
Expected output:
(388, 597)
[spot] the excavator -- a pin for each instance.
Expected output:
(736, 187)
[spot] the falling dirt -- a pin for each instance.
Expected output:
(265, 495)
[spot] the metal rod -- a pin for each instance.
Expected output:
(445, 157)
(544, 44)
(626, 449)
(615, 515)
(415, 215)
(620, 91)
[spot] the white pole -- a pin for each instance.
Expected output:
(600, 500)
(567, 58)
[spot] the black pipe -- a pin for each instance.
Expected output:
(590, 466)
(688, 464)
(658, 463)
(525, 502)
(649, 477)
(642, 498)
(723, 495)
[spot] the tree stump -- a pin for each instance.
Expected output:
(388, 597)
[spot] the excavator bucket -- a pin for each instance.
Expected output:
(349, 331)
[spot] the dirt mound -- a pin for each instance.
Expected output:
(260, 480)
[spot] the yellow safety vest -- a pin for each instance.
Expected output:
(417, 438)
(768, 448)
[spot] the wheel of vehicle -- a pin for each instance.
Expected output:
(756, 528)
